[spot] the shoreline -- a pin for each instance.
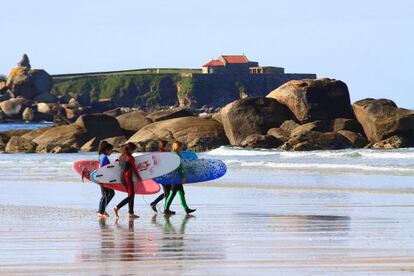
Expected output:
(287, 232)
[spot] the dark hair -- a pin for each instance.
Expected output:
(162, 143)
(128, 148)
(104, 146)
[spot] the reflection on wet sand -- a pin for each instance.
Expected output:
(163, 240)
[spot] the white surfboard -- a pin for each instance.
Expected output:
(149, 166)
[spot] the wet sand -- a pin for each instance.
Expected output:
(52, 229)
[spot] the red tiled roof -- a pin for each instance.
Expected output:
(235, 59)
(214, 62)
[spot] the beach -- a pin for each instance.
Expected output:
(48, 222)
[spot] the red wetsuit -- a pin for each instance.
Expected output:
(128, 168)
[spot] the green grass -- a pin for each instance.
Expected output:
(148, 71)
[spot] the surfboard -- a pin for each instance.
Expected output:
(86, 167)
(149, 166)
(199, 170)
(187, 155)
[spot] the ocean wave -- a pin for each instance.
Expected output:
(330, 154)
(319, 166)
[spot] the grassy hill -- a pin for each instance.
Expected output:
(141, 87)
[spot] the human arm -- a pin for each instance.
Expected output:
(103, 160)
(181, 173)
(131, 161)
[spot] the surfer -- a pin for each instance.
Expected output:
(128, 169)
(176, 148)
(104, 150)
(162, 147)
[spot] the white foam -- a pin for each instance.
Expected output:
(319, 166)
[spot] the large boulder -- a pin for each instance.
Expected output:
(20, 83)
(3, 87)
(6, 135)
(329, 126)
(33, 134)
(28, 114)
(99, 125)
(70, 135)
(93, 144)
(310, 100)
(315, 140)
(13, 108)
(19, 144)
(196, 133)
(382, 119)
(393, 142)
(252, 116)
(357, 140)
(169, 114)
(261, 141)
(29, 83)
(42, 81)
(46, 98)
(133, 121)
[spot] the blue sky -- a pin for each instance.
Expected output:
(368, 44)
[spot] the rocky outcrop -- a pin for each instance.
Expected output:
(197, 133)
(28, 114)
(19, 144)
(357, 140)
(311, 100)
(328, 126)
(13, 108)
(93, 144)
(394, 142)
(28, 83)
(46, 98)
(261, 141)
(24, 62)
(100, 125)
(133, 121)
(68, 135)
(169, 114)
(315, 140)
(33, 134)
(42, 81)
(252, 116)
(382, 119)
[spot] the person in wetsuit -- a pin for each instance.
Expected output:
(104, 150)
(128, 169)
(178, 188)
(162, 147)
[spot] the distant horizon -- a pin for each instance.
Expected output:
(366, 44)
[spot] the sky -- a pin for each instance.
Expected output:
(367, 44)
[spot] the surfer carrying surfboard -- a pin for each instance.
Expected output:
(162, 147)
(104, 150)
(176, 147)
(128, 169)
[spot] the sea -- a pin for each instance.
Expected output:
(346, 170)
